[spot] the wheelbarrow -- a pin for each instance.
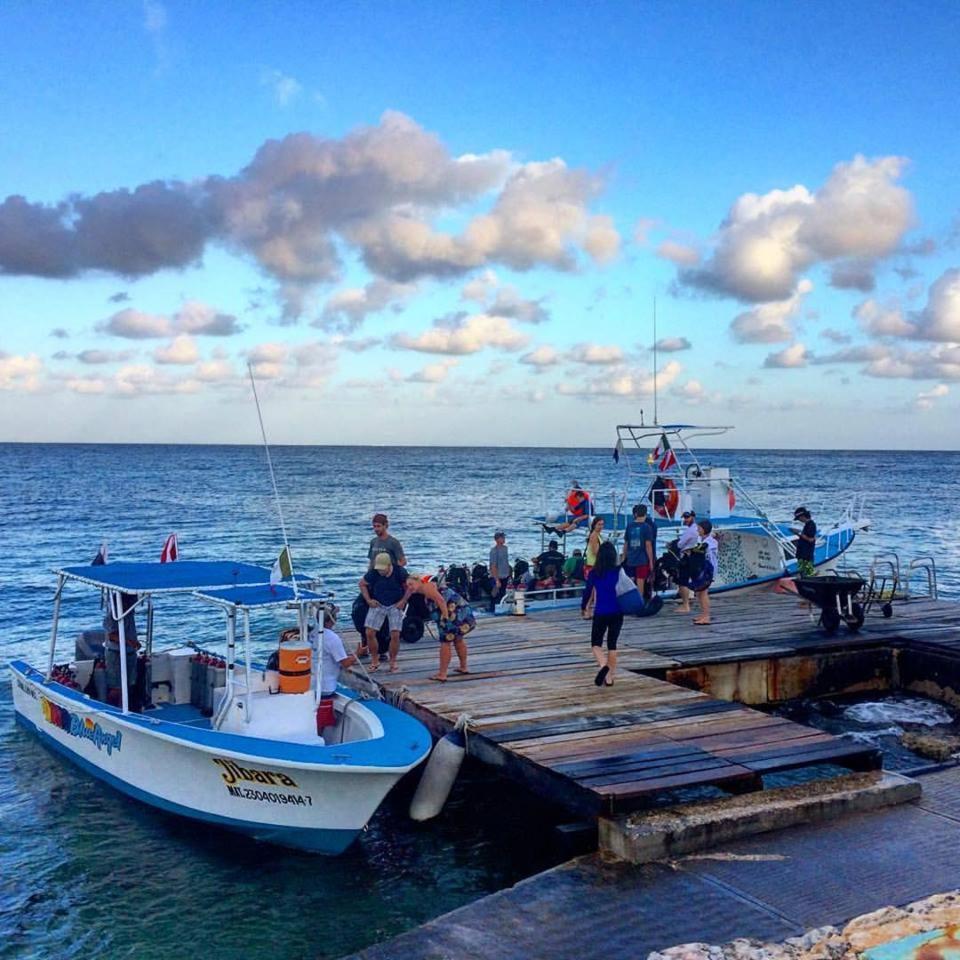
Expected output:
(839, 599)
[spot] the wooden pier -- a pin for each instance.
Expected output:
(677, 715)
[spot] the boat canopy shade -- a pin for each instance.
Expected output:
(262, 595)
(180, 576)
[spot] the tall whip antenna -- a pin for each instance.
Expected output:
(656, 419)
(273, 479)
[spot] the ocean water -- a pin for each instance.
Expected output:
(87, 873)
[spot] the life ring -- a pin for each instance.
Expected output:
(668, 500)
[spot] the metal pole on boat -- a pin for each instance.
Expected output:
(656, 419)
(116, 603)
(273, 480)
(56, 620)
(246, 654)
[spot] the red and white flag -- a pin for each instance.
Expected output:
(668, 458)
(169, 553)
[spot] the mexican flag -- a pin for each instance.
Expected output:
(282, 567)
(665, 452)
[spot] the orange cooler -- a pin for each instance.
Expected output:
(295, 663)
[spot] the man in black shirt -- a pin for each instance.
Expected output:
(550, 562)
(806, 542)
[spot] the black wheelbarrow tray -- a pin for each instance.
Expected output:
(839, 599)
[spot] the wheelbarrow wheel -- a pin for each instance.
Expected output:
(829, 621)
(855, 622)
(887, 611)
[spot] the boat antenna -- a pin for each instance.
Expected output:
(273, 479)
(656, 421)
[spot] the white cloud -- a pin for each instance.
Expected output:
(104, 356)
(595, 354)
(793, 356)
(882, 320)
(938, 321)
(673, 344)
(20, 372)
(542, 357)
(680, 254)
(193, 317)
(479, 288)
(181, 351)
(433, 372)
(136, 325)
(284, 88)
(770, 322)
(346, 309)
(620, 383)
(860, 214)
(464, 335)
(926, 398)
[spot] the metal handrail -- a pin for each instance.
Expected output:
(926, 566)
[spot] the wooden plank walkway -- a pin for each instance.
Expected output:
(536, 715)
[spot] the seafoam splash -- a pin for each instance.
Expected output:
(909, 711)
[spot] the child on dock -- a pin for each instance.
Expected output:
(700, 584)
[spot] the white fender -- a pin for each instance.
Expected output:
(438, 777)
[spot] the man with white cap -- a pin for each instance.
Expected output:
(385, 590)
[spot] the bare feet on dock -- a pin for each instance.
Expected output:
(374, 667)
(438, 678)
(461, 670)
(393, 667)
(682, 610)
(700, 622)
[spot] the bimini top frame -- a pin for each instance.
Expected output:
(120, 581)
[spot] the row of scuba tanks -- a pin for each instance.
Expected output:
(207, 672)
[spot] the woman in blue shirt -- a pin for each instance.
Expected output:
(607, 618)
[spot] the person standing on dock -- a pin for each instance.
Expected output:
(638, 548)
(688, 539)
(499, 566)
(385, 590)
(383, 542)
(806, 542)
(701, 583)
(607, 618)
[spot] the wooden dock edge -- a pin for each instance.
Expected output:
(692, 828)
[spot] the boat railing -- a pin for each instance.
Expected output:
(854, 512)
(925, 570)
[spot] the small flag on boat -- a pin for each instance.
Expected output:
(170, 551)
(282, 567)
(657, 451)
(617, 450)
(668, 458)
(101, 558)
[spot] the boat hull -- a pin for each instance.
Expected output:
(306, 804)
(748, 562)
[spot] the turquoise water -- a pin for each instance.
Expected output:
(86, 873)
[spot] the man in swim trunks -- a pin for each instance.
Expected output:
(385, 590)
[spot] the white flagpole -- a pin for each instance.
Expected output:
(273, 480)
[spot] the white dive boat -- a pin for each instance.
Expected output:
(665, 474)
(219, 744)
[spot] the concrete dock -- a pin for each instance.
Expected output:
(681, 714)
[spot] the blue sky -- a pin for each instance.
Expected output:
(448, 223)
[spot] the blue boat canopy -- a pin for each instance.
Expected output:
(260, 596)
(183, 576)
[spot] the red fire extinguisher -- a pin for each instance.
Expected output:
(325, 715)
